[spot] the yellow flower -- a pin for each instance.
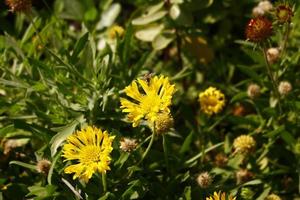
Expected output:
(148, 101)
(220, 196)
(244, 144)
(91, 148)
(114, 31)
(273, 197)
(211, 101)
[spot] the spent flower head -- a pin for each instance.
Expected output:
(204, 180)
(211, 101)
(284, 88)
(128, 145)
(19, 5)
(273, 55)
(262, 8)
(253, 91)
(147, 99)
(90, 148)
(258, 29)
(43, 166)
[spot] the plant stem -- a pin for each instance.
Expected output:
(166, 152)
(271, 76)
(285, 39)
(149, 145)
(104, 183)
(178, 43)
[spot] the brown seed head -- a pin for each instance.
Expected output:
(204, 180)
(19, 5)
(43, 166)
(258, 29)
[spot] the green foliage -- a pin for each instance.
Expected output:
(62, 67)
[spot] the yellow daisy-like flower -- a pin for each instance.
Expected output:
(212, 101)
(148, 101)
(114, 31)
(272, 197)
(244, 144)
(220, 196)
(91, 148)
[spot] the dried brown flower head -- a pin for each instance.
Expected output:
(258, 29)
(19, 5)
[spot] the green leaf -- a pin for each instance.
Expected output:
(253, 182)
(79, 46)
(162, 40)
(149, 33)
(149, 18)
(31, 30)
(42, 192)
(64, 132)
(288, 138)
(238, 97)
(187, 143)
(249, 72)
(188, 193)
(191, 160)
(22, 164)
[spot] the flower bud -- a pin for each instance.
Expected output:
(163, 123)
(244, 144)
(221, 160)
(204, 180)
(247, 193)
(253, 90)
(127, 144)
(114, 31)
(284, 88)
(284, 13)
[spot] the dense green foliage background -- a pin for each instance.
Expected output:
(57, 79)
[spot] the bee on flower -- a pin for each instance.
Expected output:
(149, 100)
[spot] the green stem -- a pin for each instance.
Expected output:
(271, 76)
(104, 183)
(285, 39)
(149, 145)
(166, 152)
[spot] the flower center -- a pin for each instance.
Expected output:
(150, 103)
(90, 154)
(211, 101)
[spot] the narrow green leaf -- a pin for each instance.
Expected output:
(79, 46)
(60, 137)
(22, 164)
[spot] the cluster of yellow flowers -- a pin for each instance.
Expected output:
(148, 100)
